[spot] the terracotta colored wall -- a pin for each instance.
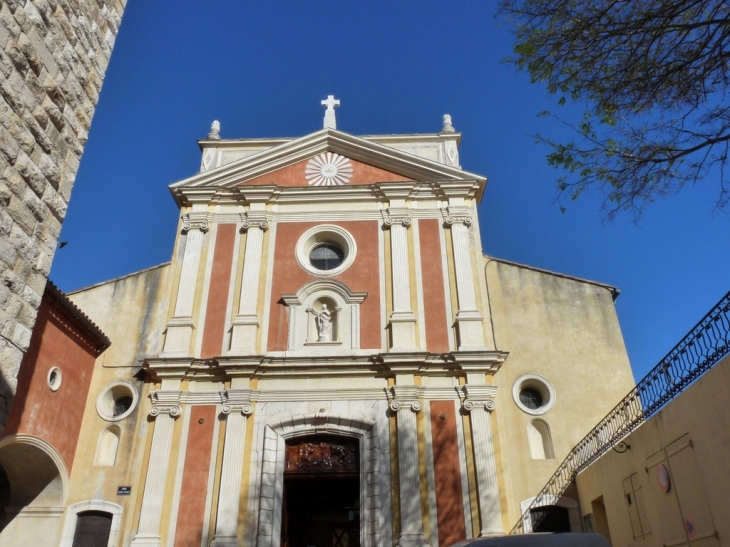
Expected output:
(437, 337)
(220, 278)
(294, 175)
(362, 275)
(195, 477)
(447, 473)
(54, 416)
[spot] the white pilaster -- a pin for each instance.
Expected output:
(237, 409)
(479, 408)
(406, 405)
(468, 318)
(402, 319)
(245, 325)
(165, 410)
(180, 327)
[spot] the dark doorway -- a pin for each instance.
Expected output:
(321, 493)
(550, 519)
(92, 529)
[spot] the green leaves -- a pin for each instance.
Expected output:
(654, 74)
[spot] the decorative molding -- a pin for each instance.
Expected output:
(405, 398)
(165, 402)
(456, 215)
(396, 215)
(255, 219)
(193, 221)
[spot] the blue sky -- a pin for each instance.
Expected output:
(261, 68)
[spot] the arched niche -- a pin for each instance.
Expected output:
(540, 440)
(107, 446)
(343, 313)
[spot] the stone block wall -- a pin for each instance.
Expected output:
(53, 56)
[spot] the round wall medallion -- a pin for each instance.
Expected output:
(328, 169)
(662, 476)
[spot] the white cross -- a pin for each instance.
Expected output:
(329, 115)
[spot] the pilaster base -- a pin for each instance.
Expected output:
(412, 540)
(403, 331)
(225, 541)
(146, 540)
(179, 335)
(243, 335)
(471, 330)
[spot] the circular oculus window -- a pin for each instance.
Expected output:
(117, 401)
(54, 378)
(534, 394)
(326, 250)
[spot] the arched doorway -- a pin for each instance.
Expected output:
(321, 492)
(550, 518)
(35, 488)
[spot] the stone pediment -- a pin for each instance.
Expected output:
(325, 158)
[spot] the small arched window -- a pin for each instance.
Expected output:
(539, 439)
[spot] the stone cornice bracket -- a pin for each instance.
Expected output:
(405, 397)
(166, 401)
(396, 215)
(195, 221)
(456, 215)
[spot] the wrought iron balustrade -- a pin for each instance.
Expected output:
(704, 346)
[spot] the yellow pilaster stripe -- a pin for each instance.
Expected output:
(422, 472)
(473, 497)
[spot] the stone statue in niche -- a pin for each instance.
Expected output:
(324, 325)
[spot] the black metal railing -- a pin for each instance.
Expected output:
(695, 354)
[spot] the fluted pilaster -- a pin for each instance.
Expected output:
(246, 322)
(490, 513)
(237, 409)
(402, 320)
(164, 410)
(406, 405)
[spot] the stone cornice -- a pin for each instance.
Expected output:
(307, 365)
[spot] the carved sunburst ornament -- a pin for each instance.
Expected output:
(328, 169)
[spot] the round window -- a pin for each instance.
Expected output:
(117, 401)
(326, 256)
(54, 378)
(326, 250)
(534, 394)
(531, 398)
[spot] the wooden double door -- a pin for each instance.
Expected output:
(321, 493)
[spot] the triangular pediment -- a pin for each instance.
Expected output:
(295, 163)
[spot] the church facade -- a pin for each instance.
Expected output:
(330, 359)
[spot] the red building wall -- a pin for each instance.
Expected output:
(58, 340)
